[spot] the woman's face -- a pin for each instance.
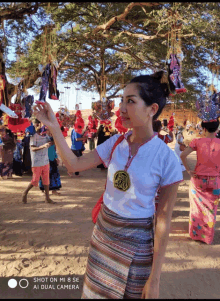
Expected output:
(133, 110)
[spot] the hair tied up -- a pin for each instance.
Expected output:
(165, 81)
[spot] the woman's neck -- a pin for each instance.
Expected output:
(140, 134)
(210, 135)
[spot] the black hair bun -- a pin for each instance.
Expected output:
(166, 83)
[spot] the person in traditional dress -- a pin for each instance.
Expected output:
(55, 181)
(168, 138)
(180, 145)
(17, 158)
(101, 138)
(6, 164)
(125, 255)
(157, 127)
(204, 189)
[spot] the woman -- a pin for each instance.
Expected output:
(17, 158)
(55, 182)
(157, 127)
(204, 187)
(7, 137)
(125, 257)
(180, 146)
(101, 138)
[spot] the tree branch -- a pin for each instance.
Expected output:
(122, 16)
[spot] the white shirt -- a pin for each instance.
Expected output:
(40, 157)
(154, 165)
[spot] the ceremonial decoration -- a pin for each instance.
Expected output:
(107, 127)
(208, 107)
(64, 119)
(79, 123)
(92, 124)
(170, 124)
(48, 81)
(18, 124)
(3, 107)
(103, 109)
(174, 73)
(27, 102)
(7, 111)
(118, 123)
(2, 88)
(121, 180)
(174, 54)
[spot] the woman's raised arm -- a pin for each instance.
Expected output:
(45, 114)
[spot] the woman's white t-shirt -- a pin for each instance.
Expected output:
(154, 165)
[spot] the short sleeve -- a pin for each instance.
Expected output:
(193, 144)
(167, 139)
(77, 135)
(33, 140)
(104, 149)
(172, 170)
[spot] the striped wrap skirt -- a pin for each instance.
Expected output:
(204, 193)
(120, 257)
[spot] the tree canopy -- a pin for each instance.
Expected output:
(129, 37)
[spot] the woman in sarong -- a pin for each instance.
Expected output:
(6, 166)
(179, 145)
(204, 190)
(125, 255)
(55, 182)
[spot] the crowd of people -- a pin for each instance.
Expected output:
(130, 236)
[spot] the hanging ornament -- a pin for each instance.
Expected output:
(92, 124)
(174, 55)
(27, 102)
(53, 92)
(3, 107)
(208, 107)
(107, 127)
(63, 118)
(7, 111)
(48, 81)
(79, 123)
(18, 124)
(174, 73)
(118, 123)
(170, 124)
(103, 109)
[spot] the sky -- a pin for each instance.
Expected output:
(70, 97)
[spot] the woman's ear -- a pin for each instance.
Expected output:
(154, 109)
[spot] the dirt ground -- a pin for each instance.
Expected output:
(44, 247)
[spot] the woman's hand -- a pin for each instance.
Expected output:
(45, 114)
(151, 289)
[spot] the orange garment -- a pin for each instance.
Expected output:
(208, 156)
(43, 172)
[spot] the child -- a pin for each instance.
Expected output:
(55, 182)
(39, 162)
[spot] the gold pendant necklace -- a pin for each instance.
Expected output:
(122, 180)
